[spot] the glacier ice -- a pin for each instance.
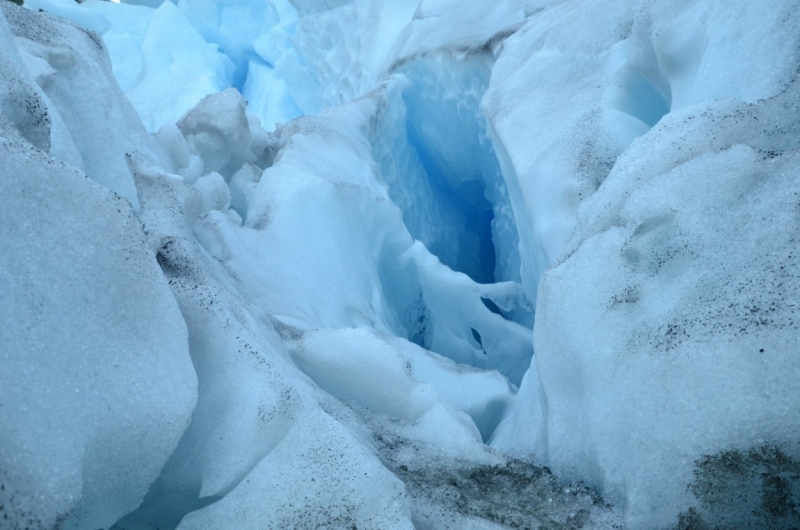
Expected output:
(298, 287)
(71, 67)
(217, 130)
(95, 361)
(664, 293)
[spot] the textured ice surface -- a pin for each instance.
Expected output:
(217, 130)
(690, 328)
(666, 341)
(94, 356)
(71, 66)
(319, 476)
(95, 371)
(254, 402)
(167, 56)
(246, 404)
(176, 63)
(358, 284)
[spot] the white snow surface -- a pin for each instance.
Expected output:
(362, 264)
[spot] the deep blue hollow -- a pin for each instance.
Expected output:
(466, 207)
(449, 207)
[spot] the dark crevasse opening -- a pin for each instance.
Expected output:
(436, 157)
(464, 204)
(443, 171)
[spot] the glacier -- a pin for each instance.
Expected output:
(399, 264)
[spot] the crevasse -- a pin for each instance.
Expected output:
(318, 310)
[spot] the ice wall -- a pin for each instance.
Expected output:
(287, 58)
(95, 363)
(655, 161)
(187, 50)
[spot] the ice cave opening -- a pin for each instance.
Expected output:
(449, 185)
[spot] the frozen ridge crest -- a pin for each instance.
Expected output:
(399, 264)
